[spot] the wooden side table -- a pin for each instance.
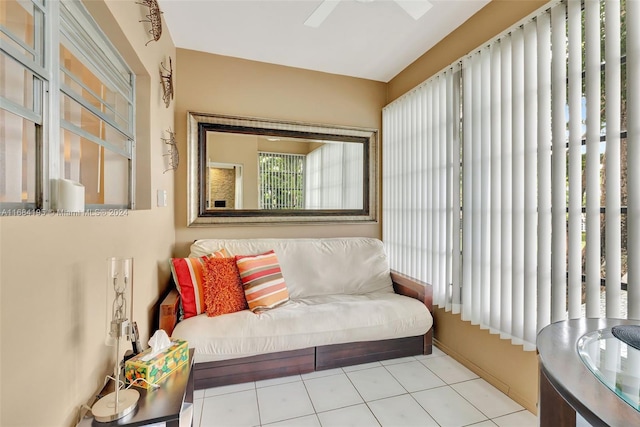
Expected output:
(163, 404)
(568, 386)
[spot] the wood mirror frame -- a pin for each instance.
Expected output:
(199, 215)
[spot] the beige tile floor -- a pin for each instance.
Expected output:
(432, 390)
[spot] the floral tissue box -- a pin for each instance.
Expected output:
(159, 367)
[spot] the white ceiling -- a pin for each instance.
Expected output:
(371, 39)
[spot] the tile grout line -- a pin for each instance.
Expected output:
(479, 410)
(255, 391)
(201, 411)
(456, 391)
(447, 384)
(366, 404)
(405, 389)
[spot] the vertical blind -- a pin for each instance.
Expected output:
(518, 152)
(334, 176)
(421, 183)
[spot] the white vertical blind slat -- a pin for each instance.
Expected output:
(543, 27)
(612, 163)
(517, 296)
(418, 194)
(476, 178)
(387, 170)
(435, 188)
(444, 203)
(457, 262)
(422, 184)
(496, 178)
(467, 201)
(506, 230)
(530, 189)
(592, 161)
(574, 260)
(633, 158)
(559, 162)
(485, 184)
(403, 211)
(449, 118)
(411, 185)
(429, 184)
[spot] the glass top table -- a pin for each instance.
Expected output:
(569, 385)
(614, 363)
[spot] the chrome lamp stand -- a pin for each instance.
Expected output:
(118, 403)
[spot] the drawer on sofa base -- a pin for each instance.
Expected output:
(253, 368)
(338, 355)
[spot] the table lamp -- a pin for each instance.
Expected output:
(122, 401)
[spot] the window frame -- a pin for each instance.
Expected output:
(50, 22)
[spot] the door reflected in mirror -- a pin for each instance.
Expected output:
(246, 170)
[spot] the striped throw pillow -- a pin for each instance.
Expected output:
(262, 281)
(187, 275)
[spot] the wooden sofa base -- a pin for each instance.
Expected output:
(286, 363)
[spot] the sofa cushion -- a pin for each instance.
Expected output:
(304, 323)
(314, 267)
(264, 286)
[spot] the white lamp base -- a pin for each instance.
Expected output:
(104, 410)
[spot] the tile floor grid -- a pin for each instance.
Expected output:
(432, 390)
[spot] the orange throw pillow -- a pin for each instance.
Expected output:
(223, 292)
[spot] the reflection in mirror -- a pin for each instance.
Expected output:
(283, 173)
(225, 183)
(244, 170)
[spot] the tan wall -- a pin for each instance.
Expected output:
(53, 269)
(216, 84)
(506, 366)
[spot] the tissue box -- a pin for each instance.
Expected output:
(156, 369)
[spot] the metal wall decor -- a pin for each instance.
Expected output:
(154, 18)
(167, 83)
(172, 153)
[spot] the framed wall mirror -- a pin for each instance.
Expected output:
(249, 171)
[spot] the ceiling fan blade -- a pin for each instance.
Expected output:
(415, 8)
(320, 14)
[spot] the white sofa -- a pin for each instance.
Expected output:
(342, 310)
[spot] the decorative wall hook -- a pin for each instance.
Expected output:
(154, 18)
(167, 83)
(173, 155)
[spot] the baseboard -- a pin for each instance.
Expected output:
(500, 385)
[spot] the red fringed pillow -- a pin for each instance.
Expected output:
(223, 291)
(187, 275)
